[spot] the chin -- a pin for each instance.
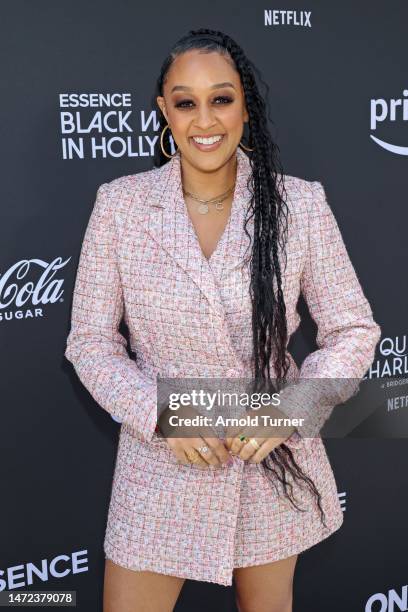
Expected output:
(210, 161)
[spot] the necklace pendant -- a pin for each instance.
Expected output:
(219, 206)
(203, 209)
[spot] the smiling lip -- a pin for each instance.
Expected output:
(204, 147)
(205, 135)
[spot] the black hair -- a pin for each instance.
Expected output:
(269, 210)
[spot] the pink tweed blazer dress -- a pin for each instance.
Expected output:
(189, 317)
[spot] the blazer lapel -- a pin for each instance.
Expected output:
(168, 223)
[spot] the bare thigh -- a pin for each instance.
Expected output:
(266, 588)
(126, 590)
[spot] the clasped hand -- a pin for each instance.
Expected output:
(258, 440)
(205, 449)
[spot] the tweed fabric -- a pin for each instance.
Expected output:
(191, 317)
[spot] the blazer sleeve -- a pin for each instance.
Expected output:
(347, 333)
(94, 345)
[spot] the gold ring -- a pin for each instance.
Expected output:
(254, 443)
(193, 457)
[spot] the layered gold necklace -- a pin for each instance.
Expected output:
(204, 207)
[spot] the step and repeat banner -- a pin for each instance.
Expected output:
(77, 111)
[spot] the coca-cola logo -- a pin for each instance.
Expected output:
(46, 289)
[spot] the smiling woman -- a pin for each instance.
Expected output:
(205, 256)
(206, 115)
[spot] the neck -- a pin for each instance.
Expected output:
(209, 184)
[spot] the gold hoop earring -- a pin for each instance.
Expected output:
(244, 147)
(161, 143)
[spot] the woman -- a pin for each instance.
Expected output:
(162, 253)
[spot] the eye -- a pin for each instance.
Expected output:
(186, 103)
(182, 104)
(226, 99)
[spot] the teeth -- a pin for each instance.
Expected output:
(207, 141)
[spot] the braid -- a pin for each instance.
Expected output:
(269, 210)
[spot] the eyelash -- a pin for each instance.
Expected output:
(227, 98)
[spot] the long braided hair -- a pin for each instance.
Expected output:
(269, 209)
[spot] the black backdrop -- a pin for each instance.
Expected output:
(328, 81)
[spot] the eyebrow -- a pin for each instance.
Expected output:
(216, 86)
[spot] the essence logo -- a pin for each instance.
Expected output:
(23, 575)
(101, 125)
(277, 17)
(17, 290)
(393, 110)
(388, 602)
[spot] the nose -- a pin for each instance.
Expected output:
(205, 118)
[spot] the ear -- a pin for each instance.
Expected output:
(162, 106)
(246, 116)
